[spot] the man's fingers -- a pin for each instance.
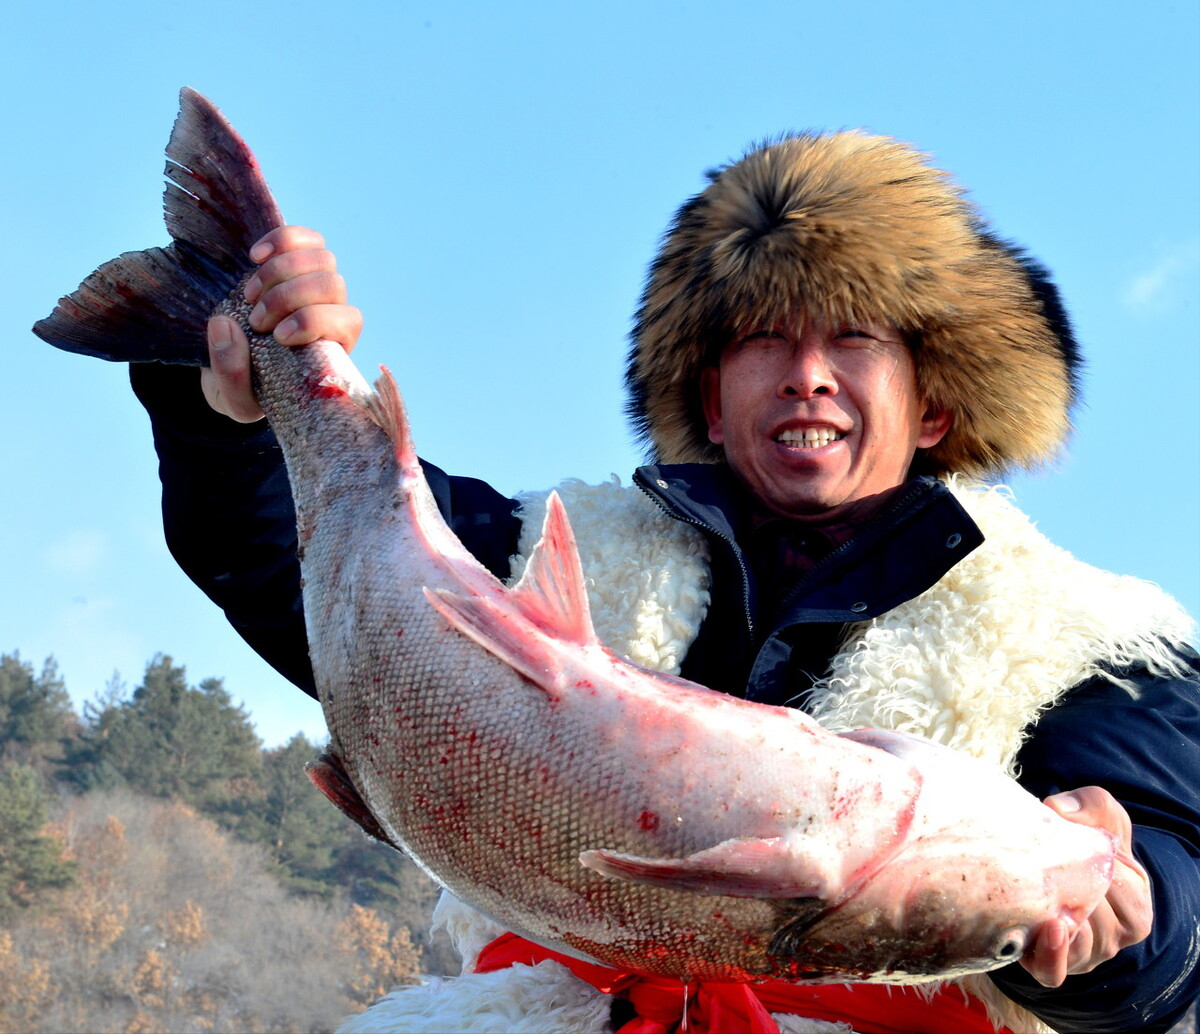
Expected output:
(227, 383)
(1059, 950)
(298, 296)
(285, 238)
(1050, 961)
(319, 287)
(288, 265)
(296, 293)
(1131, 901)
(306, 308)
(1128, 898)
(1094, 806)
(340, 323)
(1125, 915)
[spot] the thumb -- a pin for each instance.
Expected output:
(227, 382)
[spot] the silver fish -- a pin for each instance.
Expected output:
(609, 812)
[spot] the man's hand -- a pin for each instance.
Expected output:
(1123, 918)
(298, 295)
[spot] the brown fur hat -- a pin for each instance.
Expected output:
(852, 226)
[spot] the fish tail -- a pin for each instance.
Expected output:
(153, 305)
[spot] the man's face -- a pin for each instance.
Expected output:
(819, 420)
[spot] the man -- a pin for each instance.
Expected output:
(831, 349)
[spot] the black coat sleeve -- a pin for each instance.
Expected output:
(1141, 742)
(230, 524)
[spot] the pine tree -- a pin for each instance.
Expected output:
(297, 825)
(35, 711)
(170, 739)
(31, 862)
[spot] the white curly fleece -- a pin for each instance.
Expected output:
(970, 663)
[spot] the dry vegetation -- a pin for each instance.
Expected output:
(174, 926)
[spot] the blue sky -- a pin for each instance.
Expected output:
(494, 178)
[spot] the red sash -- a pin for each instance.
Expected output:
(668, 1006)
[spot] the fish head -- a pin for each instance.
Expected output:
(985, 866)
(945, 906)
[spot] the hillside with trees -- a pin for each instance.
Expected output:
(161, 871)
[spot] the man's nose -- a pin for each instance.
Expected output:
(808, 373)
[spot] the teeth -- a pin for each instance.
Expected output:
(810, 438)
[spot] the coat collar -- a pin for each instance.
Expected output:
(891, 558)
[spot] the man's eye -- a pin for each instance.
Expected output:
(866, 332)
(762, 337)
(860, 337)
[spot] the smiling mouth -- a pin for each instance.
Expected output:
(810, 438)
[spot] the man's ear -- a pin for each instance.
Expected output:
(934, 425)
(710, 399)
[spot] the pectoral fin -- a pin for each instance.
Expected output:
(743, 867)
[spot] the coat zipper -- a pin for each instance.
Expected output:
(675, 514)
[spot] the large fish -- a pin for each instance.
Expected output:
(610, 812)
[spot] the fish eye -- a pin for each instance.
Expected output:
(1010, 945)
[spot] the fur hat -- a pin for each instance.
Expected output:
(851, 226)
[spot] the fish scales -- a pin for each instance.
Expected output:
(497, 788)
(603, 810)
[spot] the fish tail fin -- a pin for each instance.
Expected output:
(152, 305)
